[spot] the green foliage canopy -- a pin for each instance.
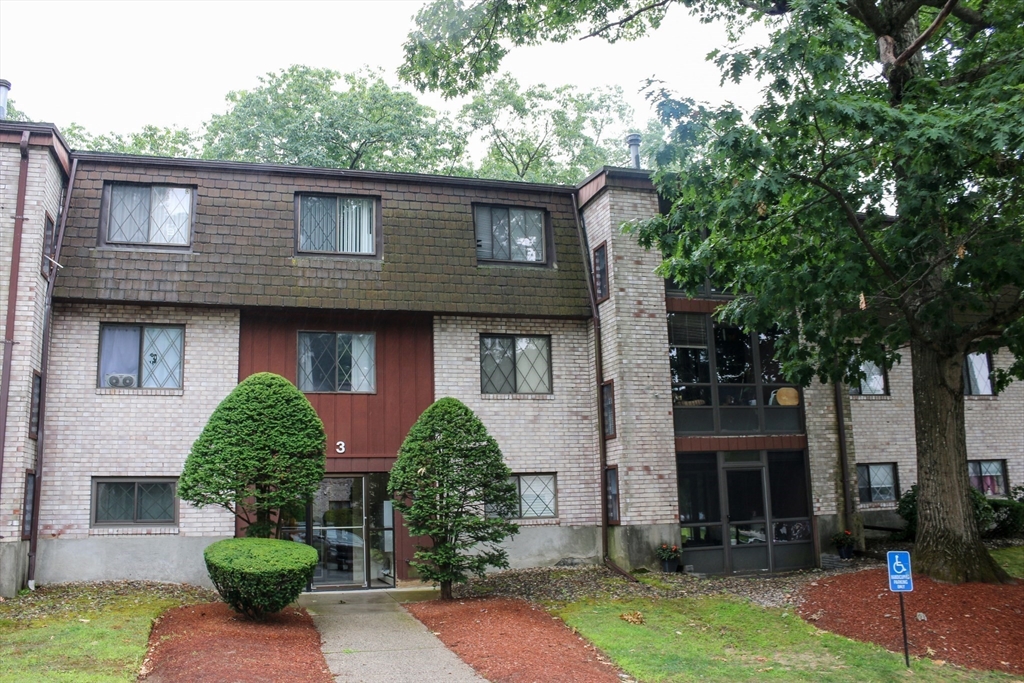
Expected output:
(297, 116)
(451, 485)
(541, 134)
(151, 140)
(262, 449)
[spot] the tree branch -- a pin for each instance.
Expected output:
(964, 14)
(868, 12)
(923, 38)
(633, 15)
(905, 14)
(854, 221)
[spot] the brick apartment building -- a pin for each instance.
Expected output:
(627, 415)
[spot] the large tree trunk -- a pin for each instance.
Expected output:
(948, 544)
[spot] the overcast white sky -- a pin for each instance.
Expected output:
(116, 66)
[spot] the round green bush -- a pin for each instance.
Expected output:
(259, 576)
(907, 509)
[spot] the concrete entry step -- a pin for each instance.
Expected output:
(367, 637)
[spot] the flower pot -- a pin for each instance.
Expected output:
(670, 566)
(845, 552)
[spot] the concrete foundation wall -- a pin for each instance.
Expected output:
(545, 546)
(633, 547)
(177, 559)
(13, 567)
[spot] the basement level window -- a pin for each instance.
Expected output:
(134, 502)
(877, 483)
(988, 476)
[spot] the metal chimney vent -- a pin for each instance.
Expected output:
(5, 87)
(633, 140)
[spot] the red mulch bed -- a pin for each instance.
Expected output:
(512, 641)
(212, 644)
(976, 625)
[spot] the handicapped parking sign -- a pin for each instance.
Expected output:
(900, 578)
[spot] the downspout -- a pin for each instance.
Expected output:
(844, 458)
(44, 363)
(12, 297)
(602, 447)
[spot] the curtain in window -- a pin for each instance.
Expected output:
(363, 363)
(119, 351)
(169, 217)
(526, 235)
(484, 237)
(987, 476)
(873, 383)
(318, 228)
(129, 214)
(356, 226)
(533, 359)
(978, 374)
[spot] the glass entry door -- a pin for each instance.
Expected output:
(351, 525)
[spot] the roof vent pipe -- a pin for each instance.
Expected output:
(633, 140)
(5, 87)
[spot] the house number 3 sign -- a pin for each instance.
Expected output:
(339, 447)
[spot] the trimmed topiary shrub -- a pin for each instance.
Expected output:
(1009, 518)
(262, 450)
(907, 509)
(259, 576)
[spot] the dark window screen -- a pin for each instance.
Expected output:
(698, 489)
(788, 485)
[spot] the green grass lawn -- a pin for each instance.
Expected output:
(1010, 559)
(83, 634)
(726, 639)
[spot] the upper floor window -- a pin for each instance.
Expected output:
(337, 362)
(337, 225)
(874, 382)
(988, 476)
(978, 374)
(726, 380)
(141, 356)
(33, 415)
(601, 272)
(515, 365)
(608, 408)
(510, 234)
(158, 215)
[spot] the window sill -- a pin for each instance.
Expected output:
(980, 397)
(140, 392)
(878, 505)
(870, 397)
(162, 248)
(307, 258)
(538, 521)
(485, 263)
(518, 397)
(134, 531)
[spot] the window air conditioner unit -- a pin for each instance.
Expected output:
(120, 380)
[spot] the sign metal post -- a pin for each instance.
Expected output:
(901, 581)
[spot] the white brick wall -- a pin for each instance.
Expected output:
(883, 426)
(635, 354)
(93, 432)
(536, 433)
(42, 196)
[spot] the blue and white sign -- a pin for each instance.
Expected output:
(900, 578)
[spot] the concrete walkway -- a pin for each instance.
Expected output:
(367, 637)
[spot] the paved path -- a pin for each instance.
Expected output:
(367, 637)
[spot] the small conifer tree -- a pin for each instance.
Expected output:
(451, 485)
(262, 449)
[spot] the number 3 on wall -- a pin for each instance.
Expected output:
(339, 447)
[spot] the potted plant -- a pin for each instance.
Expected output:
(669, 556)
(844, 542)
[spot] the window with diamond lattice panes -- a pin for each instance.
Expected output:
(536, 495)
(873, 383)
(141, 356)
(988, 476)
(149, 215)
(515, 365)
(337, 362)
(337, 225)
(877, 483)
(978, 374)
